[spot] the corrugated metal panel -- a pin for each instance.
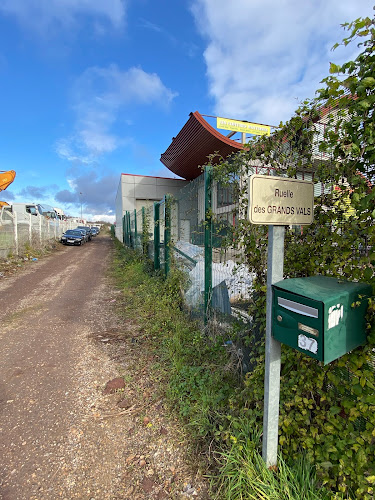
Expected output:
(194, 143)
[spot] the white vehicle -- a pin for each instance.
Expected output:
(60, 213)
(25, 212)
(47, 211)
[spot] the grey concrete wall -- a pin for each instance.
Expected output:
(118, 207)
(133, 189)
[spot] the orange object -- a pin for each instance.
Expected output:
(6, 178)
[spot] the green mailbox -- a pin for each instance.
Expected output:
(320, 316)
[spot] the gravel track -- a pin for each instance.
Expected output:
(60, 436)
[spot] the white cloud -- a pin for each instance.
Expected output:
(70, 149)
(98, 141)
(263, 57)
(101, 217)
(72, 183)
(99, 95)
(44, 16)
(96, 192)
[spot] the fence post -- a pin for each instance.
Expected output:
(30, 229)
(129, 231)
(15, 232)
(129, 239)
(123, 229)
(126, 229)
(156, 235)
(207, 241)
(144, 227)
(167, 233)
(135, 228)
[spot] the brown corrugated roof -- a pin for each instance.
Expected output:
(194, 143)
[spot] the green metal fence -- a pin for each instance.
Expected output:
(193, 232)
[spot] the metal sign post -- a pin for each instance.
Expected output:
(275, 265)
(277, 202)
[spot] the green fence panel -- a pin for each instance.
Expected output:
(144, 224)
(167, 234)
(127, 228)
(207, 241)
(135, 229)
(124, 229)
(130, 230)
(156, 235)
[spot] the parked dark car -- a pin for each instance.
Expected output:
(84, 233)
(94, 231)
(88, 231)
(72, 237)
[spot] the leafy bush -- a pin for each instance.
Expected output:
(326, 412)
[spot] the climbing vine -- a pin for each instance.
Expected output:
(326, 411)
(145, 236)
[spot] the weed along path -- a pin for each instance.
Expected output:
(65, 432)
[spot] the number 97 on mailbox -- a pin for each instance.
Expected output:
(320, 316)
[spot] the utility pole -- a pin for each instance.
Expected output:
(80, 197)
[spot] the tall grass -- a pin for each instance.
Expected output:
(191, 377)
(245, 476)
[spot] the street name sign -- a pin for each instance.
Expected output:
(280, 201)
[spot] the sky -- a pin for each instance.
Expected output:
(90, 89)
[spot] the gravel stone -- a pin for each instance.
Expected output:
(60, 436)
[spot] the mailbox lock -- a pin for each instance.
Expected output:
(279, 318)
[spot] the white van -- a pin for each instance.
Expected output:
(25, 212)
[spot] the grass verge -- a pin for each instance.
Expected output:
(190, 373)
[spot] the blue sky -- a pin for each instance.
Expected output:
(93, 88)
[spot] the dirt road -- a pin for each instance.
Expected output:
(60, 436)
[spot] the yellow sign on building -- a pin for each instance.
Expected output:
(246, 127)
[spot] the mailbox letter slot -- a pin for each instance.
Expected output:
(298, 308)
